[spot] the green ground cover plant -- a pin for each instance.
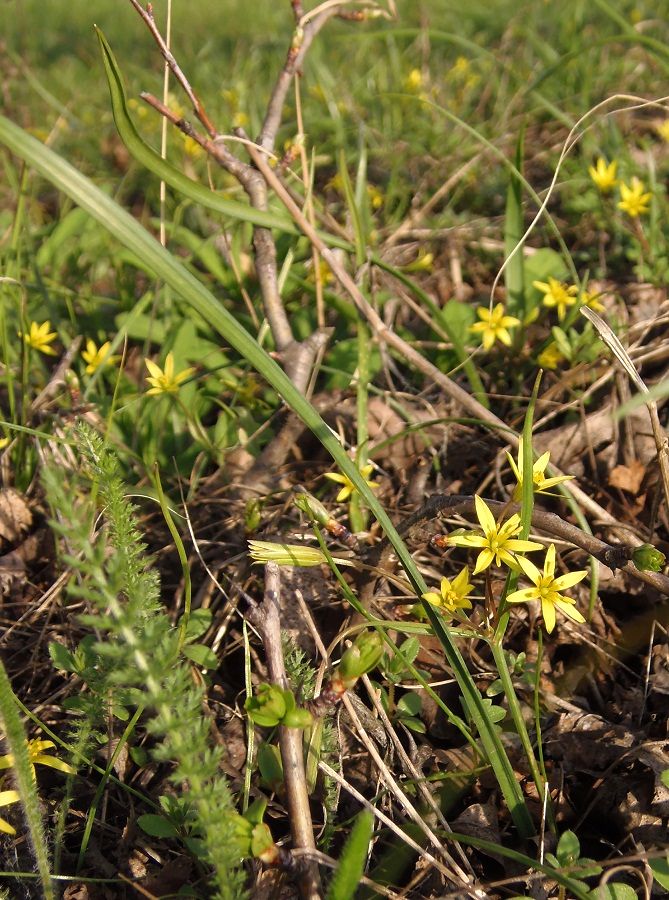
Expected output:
(334, 495)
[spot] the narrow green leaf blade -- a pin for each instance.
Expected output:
(352, 860)
(161, 263)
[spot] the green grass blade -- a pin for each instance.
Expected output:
(160, 262)
(353, 211)
(24, 780)
(352, 860)
(658, 48)
(514, 274)
(168, 173)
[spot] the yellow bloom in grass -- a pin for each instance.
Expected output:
(191, 146)
(37, 757)
(376, 196)
(414, 80)
(634, 198)
(662, 129)
(95, 356)
(604, 174)
(498, 543)
(551, 357)
(541, 484)
(452, 595)
(592, 301)
(547, 590)
(557, 294)
(6, 798)
(39, 337)
(494, 325)
(166, 381)
(348, 486)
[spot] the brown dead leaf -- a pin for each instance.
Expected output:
(586, 742)
(628, 478)
(15, 515)
(171, 877)
(480, 821)
(76, 892)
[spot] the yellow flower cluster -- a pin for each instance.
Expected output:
(561, 296)
(634, 198)
(500, 544)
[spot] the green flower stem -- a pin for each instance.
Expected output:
(250, 732)
(181, 551)
(102, 786)
(537, 704)
(382, 627)
(517, 715)
(24, 779)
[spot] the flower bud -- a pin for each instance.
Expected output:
(286, 554)
(268, 706)
(312, 507)
(648, 558)
(361, 657)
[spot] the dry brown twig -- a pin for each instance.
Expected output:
(266, 619)
(615, 556)
(298, 357)
(608, 337)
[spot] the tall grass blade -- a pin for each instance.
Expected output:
(161, 263)
(514, 274)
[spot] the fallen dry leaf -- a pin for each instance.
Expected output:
(628, 478)
(15, 515)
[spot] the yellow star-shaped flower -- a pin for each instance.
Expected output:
(498, 543)
(6, 798)
(95, 356)
(547, 590)
(494, 325)
(452, 595)
(634, 198)
(539, 480)
(662, 129)
(39, 337)
(550, 357)
(592, 301)
(348, 486)
(166, 381)
(604, 174)
(557, 294)
(36, 756)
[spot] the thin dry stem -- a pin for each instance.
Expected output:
(150, 22)
(302, 39)
(268, 622)
(408, 352)
(388, 822)
(456, 875)
(418, 777)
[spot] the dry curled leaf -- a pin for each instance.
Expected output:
(15, 515)
(628, 478)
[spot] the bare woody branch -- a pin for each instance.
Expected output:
(267, 620)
